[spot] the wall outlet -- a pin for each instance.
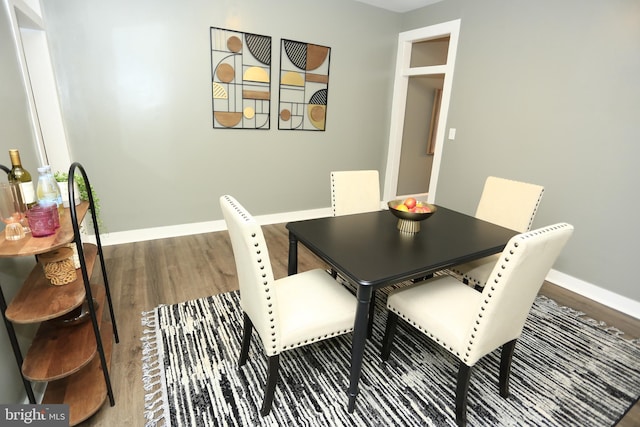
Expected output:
(452, 133)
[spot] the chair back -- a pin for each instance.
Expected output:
(355, 192)
(510, 204)
(512, 288)
(253, 265)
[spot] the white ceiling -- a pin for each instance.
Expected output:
(399, 5)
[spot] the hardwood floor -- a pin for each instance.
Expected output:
(166, 271)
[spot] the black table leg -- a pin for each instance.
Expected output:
(372, 313)
(293, 255)
(360, 329)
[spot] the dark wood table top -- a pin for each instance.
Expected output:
(369, 250)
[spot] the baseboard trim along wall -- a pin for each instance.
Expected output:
(595, 293)
(141, 235)
(588, 290)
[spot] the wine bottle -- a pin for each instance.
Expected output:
(23, 177)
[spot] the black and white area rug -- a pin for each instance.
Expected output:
(566, 370)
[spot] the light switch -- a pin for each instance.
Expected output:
(452, 133)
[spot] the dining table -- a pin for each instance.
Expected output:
(369, 251)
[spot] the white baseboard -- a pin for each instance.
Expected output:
(595, 293)
(142, 235)
(588, 290)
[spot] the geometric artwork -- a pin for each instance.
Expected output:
(240, 79)
(304, 84)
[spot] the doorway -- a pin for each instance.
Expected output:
(421, 95)
(424, 96)
(34, 59)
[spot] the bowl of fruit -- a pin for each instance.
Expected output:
(410, 212)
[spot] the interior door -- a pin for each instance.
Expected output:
(426, 59)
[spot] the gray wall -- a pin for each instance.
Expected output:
(548, 92)
(135, 82)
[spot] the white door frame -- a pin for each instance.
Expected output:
(30, 40)
(403, 72)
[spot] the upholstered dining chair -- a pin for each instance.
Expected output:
(508, 203)
(355, 191)
(471, 324)
(286, 313)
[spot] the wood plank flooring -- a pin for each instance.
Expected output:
(166, 271)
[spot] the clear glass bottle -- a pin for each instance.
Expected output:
(23, 177)
(47, 190)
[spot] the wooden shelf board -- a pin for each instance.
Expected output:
(85, 391)
(38, 300)
(36, 245)
(59, 351)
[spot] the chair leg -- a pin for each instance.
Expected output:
(389, 332)
(247, 328)
(464, 374)
(270, 389)
(505, 367)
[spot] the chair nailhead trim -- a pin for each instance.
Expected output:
(319, 338)
(267, 289)
(333, 195)
(487, 300)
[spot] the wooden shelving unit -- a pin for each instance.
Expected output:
(73, 358)
(38, 301)
(59, 351)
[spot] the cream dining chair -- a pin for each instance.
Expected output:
(289, 312)
(355, 191)
(508, 203)
(471, 324)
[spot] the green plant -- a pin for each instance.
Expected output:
(83, 190)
